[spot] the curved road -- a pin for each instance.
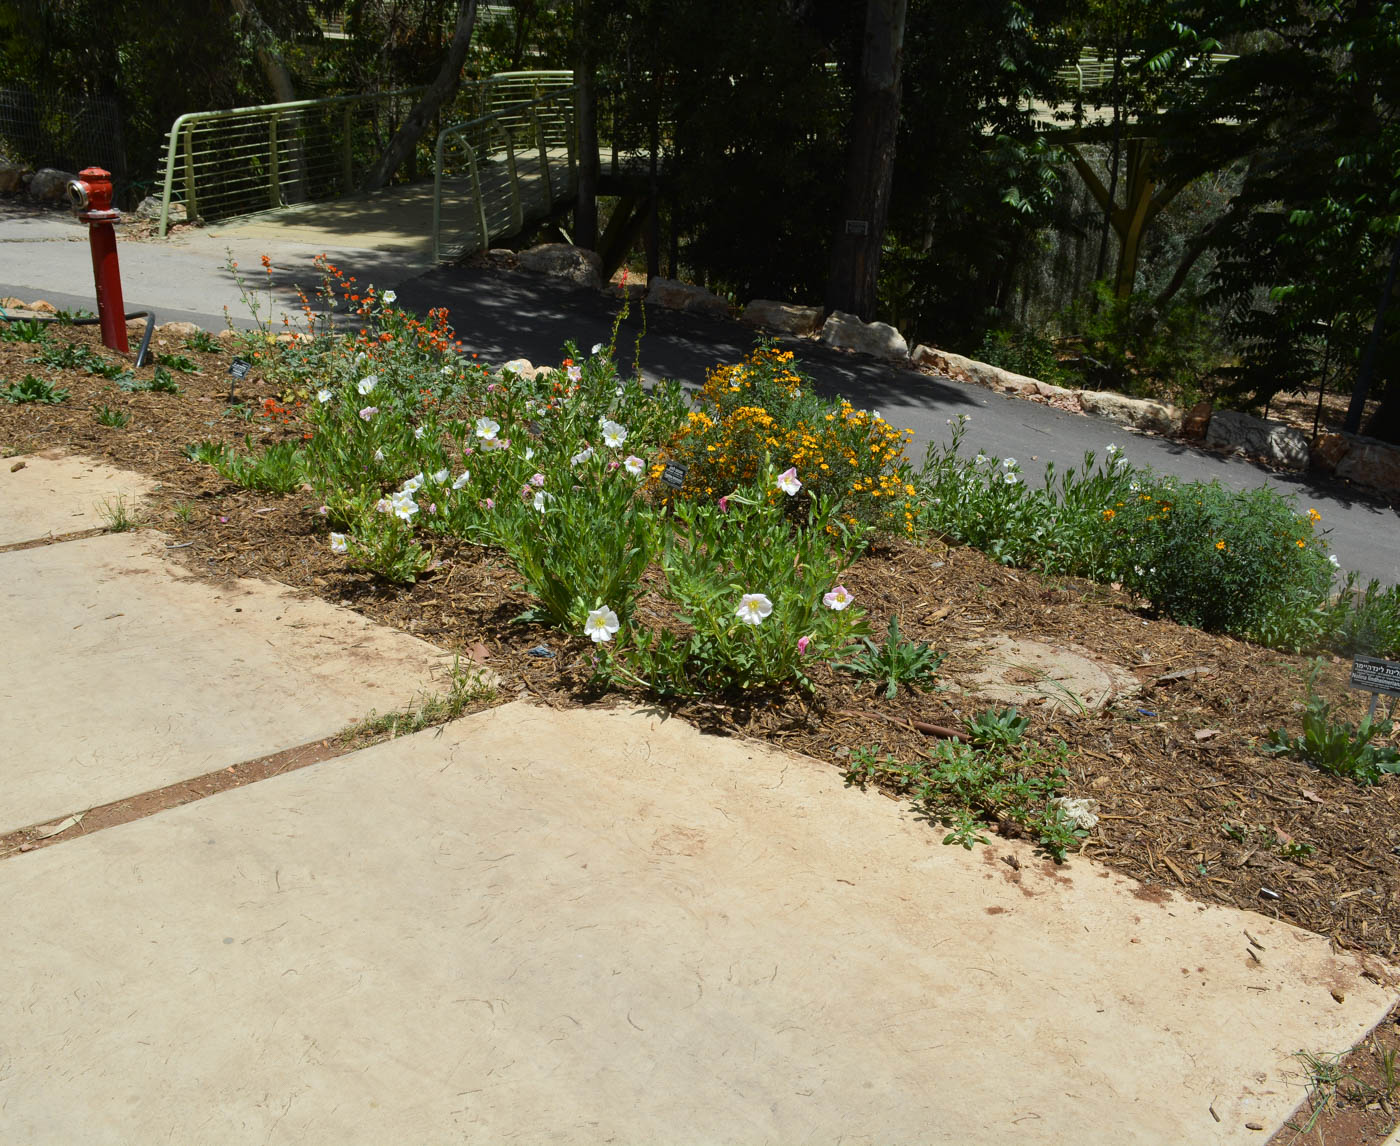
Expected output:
(504, 315)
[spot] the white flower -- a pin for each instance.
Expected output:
(1008, 463)
(634, 465)
(1012, 479)
(383, 506)
(580, 458)
(440, 476)
(597, 350)
(838, 598)
(338, 544)
(753, 607)
(787, 481)
(361, 357)
(417, 433)
(413, 484)
(369, 412)
(574, 373)
(323, 396)
(613, 434)
(1112, 449)
(601, 625)
(539, 500)
(365, 385)
(403, 505)
(462, 479)
(447, 370)
(493, 444)
(797, 393)
(529, 453)
(1332, 557)
(389, 297)
(487, 428)
(379, 455)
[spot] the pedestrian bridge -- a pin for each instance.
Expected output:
(296, 166)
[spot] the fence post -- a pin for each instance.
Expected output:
(191, 205)
(544, 158)
(274, 190)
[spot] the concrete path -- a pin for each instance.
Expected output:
(49, 495)
(574, 926)
(603, 926)
(124, 673)
(509, 315)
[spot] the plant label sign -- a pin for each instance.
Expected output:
(239, 368)
(857, 226)
(674, 475)
(1374, 675)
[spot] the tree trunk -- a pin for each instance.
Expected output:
(855, 253)
(274, 69)
(1383, 422)
(442, 89)
(586, 114)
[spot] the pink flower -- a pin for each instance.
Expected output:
(488, 504)
(537, 480)
(724, 505)
(838, 598)
(802, 643)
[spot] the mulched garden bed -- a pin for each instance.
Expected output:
(1189, 804)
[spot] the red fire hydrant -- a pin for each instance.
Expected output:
(91, 196)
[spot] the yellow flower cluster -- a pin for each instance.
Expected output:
(755, 410)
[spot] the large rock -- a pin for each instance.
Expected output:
(149, 208)
(178, 329)
(575, 265)
(952, 365)
(1273, 441)
(1328, 450)
(1372, 463)
(783, 317)
(676, 295)
(49, 185)
(12, 176)
(1144, 413)
(847, 332)
(1197, 419)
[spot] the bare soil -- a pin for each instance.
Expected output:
(1189, 804)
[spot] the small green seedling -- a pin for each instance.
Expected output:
(897, 661)
(107, 416)
(32, 389)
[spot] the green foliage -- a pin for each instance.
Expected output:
(278, 467)
(1338, 746)
(70, 317)
(28, 330)
(998, 728)
(1024, 352)
(967, 787)
(1061, 528)
(160, 382)
(65, 356)
(754, 597)
(1366, 621)
(894, 662)
(1130, 346)
(177, 362)
(32, 389)
(1243, 562)
(204, 342)
(107, 416)
(117, 514)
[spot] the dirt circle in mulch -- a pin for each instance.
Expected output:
(1031, 673)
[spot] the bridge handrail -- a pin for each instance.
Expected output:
(1093, 70)
(186, 124)
(558, 109)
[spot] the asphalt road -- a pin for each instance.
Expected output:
(504, 314)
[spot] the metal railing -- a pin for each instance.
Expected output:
(242, 160)
(500, 171)
(1095, 71)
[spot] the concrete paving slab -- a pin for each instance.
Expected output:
(50, 495)
(122, 673)
(595, 926)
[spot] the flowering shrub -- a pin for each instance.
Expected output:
(758, 599)
(1240, 562)
(762, 410)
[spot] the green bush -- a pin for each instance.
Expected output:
(1245, 562)
(1366, 621)
(1025, 352)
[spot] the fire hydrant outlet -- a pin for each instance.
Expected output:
(91, 197)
